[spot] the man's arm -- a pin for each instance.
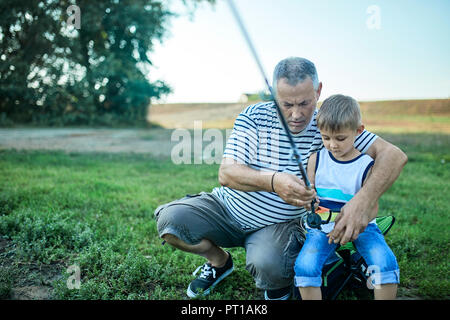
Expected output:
(241, 177)
(359, 211)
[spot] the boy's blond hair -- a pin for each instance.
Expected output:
(339, 112)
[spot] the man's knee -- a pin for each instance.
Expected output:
(173, 225)
(173, 240)
(268, 269)
(200, 248)
(263, 263)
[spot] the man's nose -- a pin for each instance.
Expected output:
(297, 113)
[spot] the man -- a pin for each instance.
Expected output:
(262, 199)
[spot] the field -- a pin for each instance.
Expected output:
(402, 116)
(92, 211)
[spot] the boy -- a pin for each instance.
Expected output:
(338, 171)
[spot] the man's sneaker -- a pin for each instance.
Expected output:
(278, 294)
(209, 277)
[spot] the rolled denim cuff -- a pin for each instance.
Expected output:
(385, 277)
(307, 281)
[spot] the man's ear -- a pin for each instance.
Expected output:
(360, 129)
(319, 90)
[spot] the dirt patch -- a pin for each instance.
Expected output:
(31, 293)
(25, 281)
(148, 141)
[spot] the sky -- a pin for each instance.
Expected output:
(371, 50)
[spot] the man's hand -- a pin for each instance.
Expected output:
(363, 207)
(316, 203)
(292, 190)
(352, 220)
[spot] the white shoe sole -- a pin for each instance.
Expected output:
(285, 297)
(192, 294)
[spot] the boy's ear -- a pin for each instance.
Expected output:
(360, 129)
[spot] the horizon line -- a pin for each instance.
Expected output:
(362, 100)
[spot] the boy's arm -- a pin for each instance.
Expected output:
(311, 172)
(356, 214)
(311, 168)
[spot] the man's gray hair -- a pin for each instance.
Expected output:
(295, 70)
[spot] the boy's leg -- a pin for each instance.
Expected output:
(386, 291)
(309, 264)
(310, 293)
(271, 253)
(381, 262)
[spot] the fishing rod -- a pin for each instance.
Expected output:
(313, 219)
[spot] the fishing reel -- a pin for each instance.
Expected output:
(314, 220)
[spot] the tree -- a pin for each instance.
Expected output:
(53, 73)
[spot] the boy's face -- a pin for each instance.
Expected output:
(340, 143)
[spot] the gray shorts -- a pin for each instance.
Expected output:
(270, 251)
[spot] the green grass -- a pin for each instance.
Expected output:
(96, 211)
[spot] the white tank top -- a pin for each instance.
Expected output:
(338, 181)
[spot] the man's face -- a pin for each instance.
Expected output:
(297, 103)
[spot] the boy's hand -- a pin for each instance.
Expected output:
(292, 190)
(352, 220)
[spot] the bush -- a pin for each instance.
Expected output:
(45, 236)
(109, 274)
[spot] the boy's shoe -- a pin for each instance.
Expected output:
(278, 294)
(209, 277)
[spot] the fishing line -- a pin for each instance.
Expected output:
(313, 219)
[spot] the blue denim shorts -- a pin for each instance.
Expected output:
(370, 244)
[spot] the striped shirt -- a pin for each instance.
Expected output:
(259, 141)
